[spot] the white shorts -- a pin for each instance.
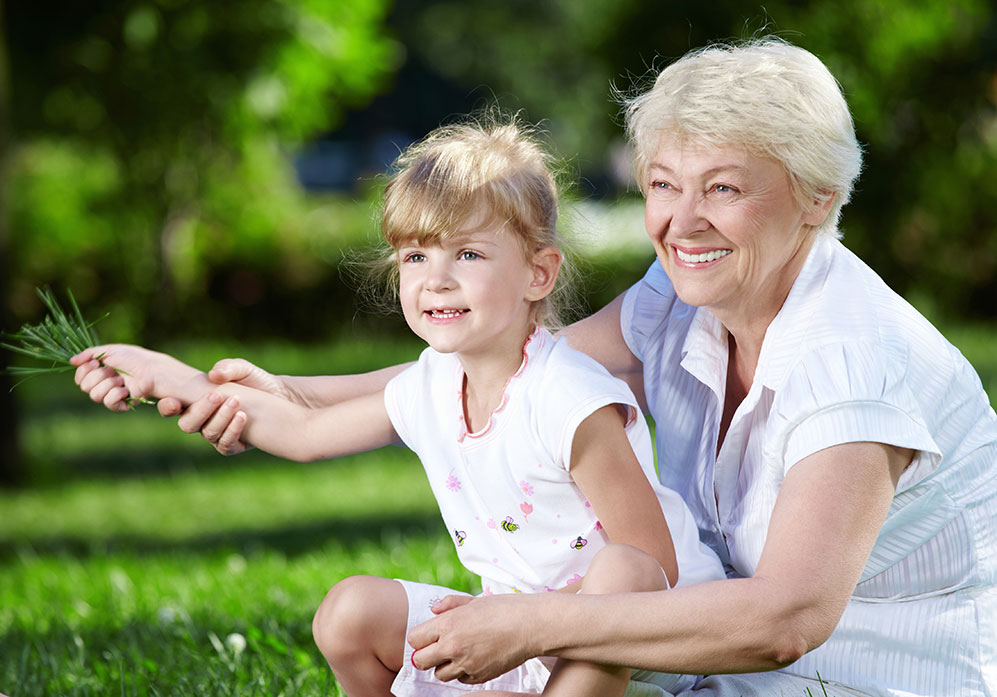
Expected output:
(529, 677)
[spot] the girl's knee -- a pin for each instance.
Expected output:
(343, 622)
(620, 568)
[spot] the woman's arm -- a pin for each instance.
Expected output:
(278, 426)
(601, 337)
(830, 509)
(607, 472)
(221, 423)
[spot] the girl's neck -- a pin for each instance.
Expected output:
(486, 377)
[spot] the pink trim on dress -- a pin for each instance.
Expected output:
(463, 432)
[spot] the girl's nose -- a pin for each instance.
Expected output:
(439, 277)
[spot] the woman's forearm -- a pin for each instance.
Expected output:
(722, 626)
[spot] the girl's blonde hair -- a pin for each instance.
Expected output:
(774, 99)
(488, 172)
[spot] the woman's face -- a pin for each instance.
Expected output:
(726, 229)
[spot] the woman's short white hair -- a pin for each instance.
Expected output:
(772, 98)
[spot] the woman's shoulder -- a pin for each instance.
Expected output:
(650, 307)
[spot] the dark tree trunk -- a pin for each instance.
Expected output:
(11, 463)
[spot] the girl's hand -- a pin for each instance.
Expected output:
(115, 373)
(221, 422)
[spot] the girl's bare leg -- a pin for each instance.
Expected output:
(615, 569)
(360, 629)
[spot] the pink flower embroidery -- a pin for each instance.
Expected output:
(526, 487)
(526, 508)
(574, 579)
(453, 484)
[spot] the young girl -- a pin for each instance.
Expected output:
(539, 459)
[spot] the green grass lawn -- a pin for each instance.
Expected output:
(140, 561)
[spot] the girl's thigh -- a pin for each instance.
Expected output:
(412, 682)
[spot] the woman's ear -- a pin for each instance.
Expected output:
(546, 263)
(818, 211)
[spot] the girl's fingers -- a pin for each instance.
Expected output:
(97, 376)
(85, 355)
(116, 399)
(169, 406)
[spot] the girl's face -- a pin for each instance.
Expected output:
(727, 229)
(471, 294)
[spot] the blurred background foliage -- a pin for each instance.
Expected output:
(199, 169)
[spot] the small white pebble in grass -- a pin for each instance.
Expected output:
(83, 609)
(170, 614)
(236, 643)
(236, 564)
(121, 582)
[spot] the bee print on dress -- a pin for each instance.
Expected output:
(578, 542)
(459, 537)
(509, 525)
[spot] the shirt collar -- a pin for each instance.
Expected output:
(704, 352)
(785, 338)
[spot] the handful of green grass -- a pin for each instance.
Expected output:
(59, 337)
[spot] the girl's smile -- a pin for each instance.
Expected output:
(470, 294)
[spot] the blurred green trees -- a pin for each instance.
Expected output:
(152, 139)
(150, 164)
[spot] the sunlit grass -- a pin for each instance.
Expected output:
(139, 551)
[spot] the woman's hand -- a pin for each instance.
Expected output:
(456, 644)
(219, 421)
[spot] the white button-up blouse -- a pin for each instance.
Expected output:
(845, 360)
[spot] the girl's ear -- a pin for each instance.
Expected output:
(546, 263)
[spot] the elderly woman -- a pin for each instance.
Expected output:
(838, 454)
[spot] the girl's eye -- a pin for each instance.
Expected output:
(468, 255)
(414, 257)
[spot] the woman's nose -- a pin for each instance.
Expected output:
(687, 218)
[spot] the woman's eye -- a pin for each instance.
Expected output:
(724, 189)
(658, 185)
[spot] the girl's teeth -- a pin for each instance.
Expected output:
(445, 314)
(712, 255)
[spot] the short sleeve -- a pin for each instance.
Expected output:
(646, 306)
(847, 393)
(571, 392)
(402, 396)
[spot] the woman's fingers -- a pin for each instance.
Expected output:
(450, 602)
(231, 370)
(219, 421)
(230, 443)
(198, 413)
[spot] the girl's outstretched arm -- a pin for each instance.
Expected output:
(108, 373)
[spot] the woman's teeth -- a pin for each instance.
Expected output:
(700, 258)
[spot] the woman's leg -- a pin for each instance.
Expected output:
(360, 629)
(615, 568)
